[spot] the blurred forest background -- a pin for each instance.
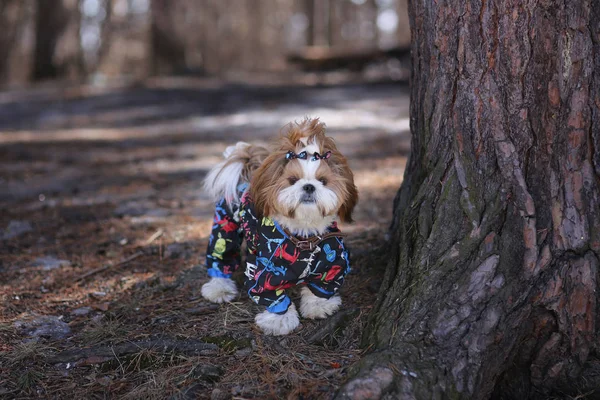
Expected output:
(97, 40)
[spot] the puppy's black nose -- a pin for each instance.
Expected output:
(308, 188)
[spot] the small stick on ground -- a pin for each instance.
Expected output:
(201, 310)
(154, 236)
(106, 267)
(100, 354)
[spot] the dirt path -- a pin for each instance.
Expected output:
(103, 227)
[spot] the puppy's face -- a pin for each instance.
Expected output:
(306, 178)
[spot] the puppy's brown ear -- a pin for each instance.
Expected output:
(265, 184)
(345, 212)
(339, 165)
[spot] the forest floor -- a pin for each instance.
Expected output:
(103, 228)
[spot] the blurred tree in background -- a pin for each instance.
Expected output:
(58, 52)
(96, 39)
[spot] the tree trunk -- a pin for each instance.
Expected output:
(167, 48)
(492, 290)
(58, 50)
(12, 20)
(403, 30)
(320, 22)
(310, 16)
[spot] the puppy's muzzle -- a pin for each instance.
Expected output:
(309, 193)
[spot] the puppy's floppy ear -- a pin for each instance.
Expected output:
(265, 183)
(351, 198)
(339, 165)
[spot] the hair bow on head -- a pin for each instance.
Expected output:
(291, 155)
(316, 156)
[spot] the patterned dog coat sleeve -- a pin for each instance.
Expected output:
(225, 242)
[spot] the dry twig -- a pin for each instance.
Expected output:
(202, 310)
(100, 354)
(106, 267)
(154, 236)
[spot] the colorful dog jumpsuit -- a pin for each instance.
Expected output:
(276, 260)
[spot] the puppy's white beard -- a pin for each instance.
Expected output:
(308, 218)
(307, 221)
(326, 200)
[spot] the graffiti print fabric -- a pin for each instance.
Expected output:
(274, 263)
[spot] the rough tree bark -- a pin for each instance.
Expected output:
(492, 290)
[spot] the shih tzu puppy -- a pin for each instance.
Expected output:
(285, 204)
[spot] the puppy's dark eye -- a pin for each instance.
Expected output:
(292, 180)
(323, 181)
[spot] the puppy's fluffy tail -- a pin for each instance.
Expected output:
(240, 162)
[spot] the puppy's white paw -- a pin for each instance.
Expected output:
(278, 324)
(314, 307)
(219, 290)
